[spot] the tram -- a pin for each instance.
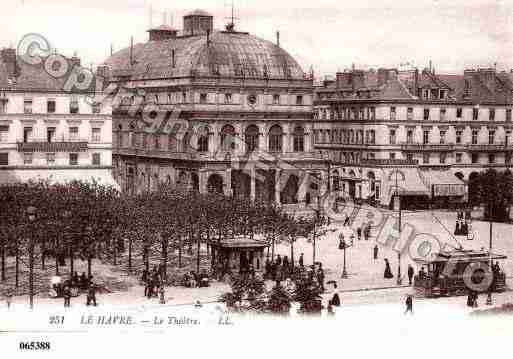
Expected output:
(459, 271)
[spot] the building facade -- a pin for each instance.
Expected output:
(234, 111)
(423, 132)
(48, 133)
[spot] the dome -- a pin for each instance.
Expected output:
(232, 54)
(198, 12)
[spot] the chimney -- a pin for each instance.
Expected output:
(487, 76)
(416, 82)
(9, 58)
(162, 33)
(344, 79)
(358, 79)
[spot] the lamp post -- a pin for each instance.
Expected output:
(31, 214)
(397, 207)
(344, 246)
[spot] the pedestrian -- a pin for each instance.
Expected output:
(335, 300)
(410, 273)
(320, 278)
(285, 261)
(149, 292)
(8, 298)
(162, 298)
(278, 260)
(457, 230)
(359, 233)
(409, 305)
(375, 252)
(301, 260)
(388, 272)
(267, 274)
(346, 221)
(67, 297)
(91, 295)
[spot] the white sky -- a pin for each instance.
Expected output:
(328, 34)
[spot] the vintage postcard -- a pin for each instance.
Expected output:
(240, 178)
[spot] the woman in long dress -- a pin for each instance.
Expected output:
(388, 272)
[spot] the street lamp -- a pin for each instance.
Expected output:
(397, 207)
(343, 245)
(31, 215)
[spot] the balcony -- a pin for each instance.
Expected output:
(420, 147)
(61, 145)
(388, 162)
(500, 147)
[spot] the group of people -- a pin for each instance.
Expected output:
(462, 224)
(280, 268)
(363, 231)
(192, 279)
(153, 281)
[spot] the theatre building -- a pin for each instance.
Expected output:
(423, 132)
(246, 105)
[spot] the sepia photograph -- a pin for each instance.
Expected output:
(250, 178)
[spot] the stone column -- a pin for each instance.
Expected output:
(253, 184)
(203, 175)
(228, 182)
(277, 186)
(324, 184)
(262, 139)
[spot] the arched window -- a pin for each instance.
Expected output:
(171, 143)
(251, 138)
(299, 139)
(186, 142)
(275, 139)
(228, 138)
(203, 134)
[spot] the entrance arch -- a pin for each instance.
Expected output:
(215, 184)
(289, 193)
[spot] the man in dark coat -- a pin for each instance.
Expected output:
(67, 297)
(388, 272)
(335, 300)
(320, 278)
(278, 260)
(300, 260)
(375, 252)
(410, 273)
(267, 269)
(409, 305)
(359, 233)
(91, 295)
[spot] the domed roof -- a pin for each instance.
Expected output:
(228, 54)
(198, 12)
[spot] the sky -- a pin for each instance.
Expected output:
(329, 35)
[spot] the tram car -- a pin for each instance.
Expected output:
(458, 272)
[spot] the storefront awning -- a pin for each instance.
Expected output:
(409, 182)
(444, 183)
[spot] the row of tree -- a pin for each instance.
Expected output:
(493, 190)
(87, 221)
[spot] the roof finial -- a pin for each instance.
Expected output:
(231, 25)
(278, 38)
